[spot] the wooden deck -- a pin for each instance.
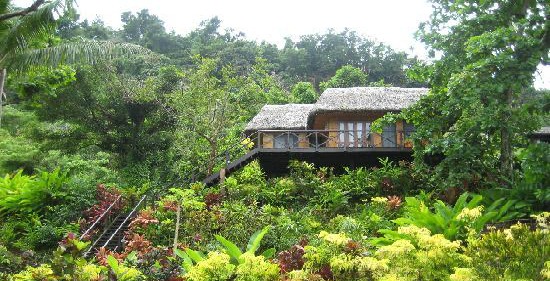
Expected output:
(274, 161)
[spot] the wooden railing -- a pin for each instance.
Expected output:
(320, 139)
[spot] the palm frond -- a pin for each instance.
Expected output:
(31, 26)
(4, 6)
(85, 52)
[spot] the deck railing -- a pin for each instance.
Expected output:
(342, 139)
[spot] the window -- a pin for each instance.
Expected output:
(408, 129)
(354, 134)
(389, 136)
(285, 140)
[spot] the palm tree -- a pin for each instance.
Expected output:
(19, 28)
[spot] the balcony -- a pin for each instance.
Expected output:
(274, 149)
(331, 140)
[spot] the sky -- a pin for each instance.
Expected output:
(392, 22)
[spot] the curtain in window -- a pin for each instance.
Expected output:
(285, 140)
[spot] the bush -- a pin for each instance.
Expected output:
(421, 256)
(510, 254)
(9, 262)
(467, 215)
(254, 268)
(215, 267)
(20, 194)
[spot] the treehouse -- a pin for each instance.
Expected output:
(334, 132)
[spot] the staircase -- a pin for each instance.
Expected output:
(112, 237)
(232, 166)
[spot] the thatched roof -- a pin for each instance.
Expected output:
(542, 131)
(296, 116)
(286, 116)
(368, 98)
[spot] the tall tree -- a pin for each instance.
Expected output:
(345, 77)
(214, 106)
(489, 53)
(22, 33)
(316, 57)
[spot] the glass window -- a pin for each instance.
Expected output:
(286, 140)
(360, 137)
(341, 134)
(353, 134)
(367, 134)
(389, 136)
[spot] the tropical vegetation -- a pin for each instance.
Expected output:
(94, 119)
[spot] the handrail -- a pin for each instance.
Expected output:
(124, 221)
(100, 217)
(343, 139)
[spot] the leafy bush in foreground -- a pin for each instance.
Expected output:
(512, 254)
(455, 222)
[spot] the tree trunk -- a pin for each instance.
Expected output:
(212, 157)
(3, 74)
(506, 167)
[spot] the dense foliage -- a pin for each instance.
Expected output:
(92, 137)
(245, 229)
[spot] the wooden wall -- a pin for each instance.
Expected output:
(330, 121)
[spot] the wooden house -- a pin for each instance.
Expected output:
(341, 118)
(335, 131)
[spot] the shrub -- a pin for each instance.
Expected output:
(215, 267)
(254, 268)
(43, 272)
(455, 222)
(418, 256)
(422, 256)
(20, 194)
(8, 262)
(293, 258)
(510, 254)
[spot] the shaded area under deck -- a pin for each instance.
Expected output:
(274, 161)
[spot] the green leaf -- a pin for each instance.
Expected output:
(80, 245)
(195, 255)
(232, 250)
(113, 263)
(187, 261)
(269, 253)
(132, 257)
(256, 239)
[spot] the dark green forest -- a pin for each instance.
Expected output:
(90, 113)
(134, 108)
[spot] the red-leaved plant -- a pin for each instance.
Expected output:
(142, 220)
(293, 258)
(212, 199)
(105, 197)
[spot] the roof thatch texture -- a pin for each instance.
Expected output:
(287, 116)
(542, 131)
(296, 116)
(368, 98)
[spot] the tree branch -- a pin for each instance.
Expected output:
(23, 12)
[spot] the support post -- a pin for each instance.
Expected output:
(222, 174)
(176, 234)
(3, 74)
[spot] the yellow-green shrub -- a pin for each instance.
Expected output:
(43, 272)
(215, 267)
(421, 257)
(424, 256)
(256, 268)
(511, 254)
